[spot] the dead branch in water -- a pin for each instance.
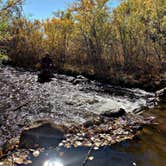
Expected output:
(87, 157)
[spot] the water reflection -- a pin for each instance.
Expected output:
(52, 163)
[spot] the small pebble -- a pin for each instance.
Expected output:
(36, 153)
(90, 158)
(134, 164)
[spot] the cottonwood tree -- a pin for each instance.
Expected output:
(26, 43)
(92, 22)
(141, 33)
(58, 32)
(9, 10)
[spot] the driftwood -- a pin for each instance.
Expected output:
(87, 157)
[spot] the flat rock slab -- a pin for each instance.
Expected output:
(42, 134)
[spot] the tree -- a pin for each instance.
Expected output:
(26, 43)
(8, 10)
(57, 35)
(92, 21)
(140, 27)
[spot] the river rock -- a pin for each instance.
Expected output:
(79, 79)
(7, 62)
(161, 95)
(139, 110)
(95, 121)
(43, 134)
(114, 113)
(70, 79)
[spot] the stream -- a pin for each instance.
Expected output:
(148, 149)
(66, 103)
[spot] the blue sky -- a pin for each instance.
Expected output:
(42, 9)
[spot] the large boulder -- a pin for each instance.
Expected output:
(45, 76)
(114, 113)
(43, 134)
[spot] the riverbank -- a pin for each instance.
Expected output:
(133, 78)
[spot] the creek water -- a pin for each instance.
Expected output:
(65, 103)
(147, 149)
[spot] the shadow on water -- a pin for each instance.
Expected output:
(148, 149)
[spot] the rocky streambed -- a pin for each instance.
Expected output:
(89, 113)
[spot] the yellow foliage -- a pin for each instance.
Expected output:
(89, 34)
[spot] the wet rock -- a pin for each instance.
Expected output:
(96, 121)
(114, 113)
(69, 102)
(7, 62)
(45, 76)
(70, 79)
(43, 134)
(161, 95)
(88, 123)
(137, 128)
(64, 77)
(150, 119)
(92, 101)
(163, 83)
(79, 79)
(151, 102)
(139, 110)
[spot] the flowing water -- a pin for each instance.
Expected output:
(147, 149)
(65, 103)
